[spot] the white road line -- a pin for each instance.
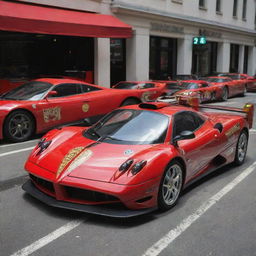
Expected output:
(48, 238)
(166, 240)
(17, 144)
(16, 151)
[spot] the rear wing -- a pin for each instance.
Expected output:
(193, 102)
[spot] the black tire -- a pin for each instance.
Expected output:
(171, 187)
(130, 101)
(19, 126)
(241, 148)
(224, 95)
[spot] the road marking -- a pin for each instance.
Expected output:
(48, 238)
(166, 240)
(17, 144)
(16, 151)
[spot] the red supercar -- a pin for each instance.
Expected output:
(137, 158)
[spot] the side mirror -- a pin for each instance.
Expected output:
(87, 122)
(51, 93)
(185, 135)
(219, 127)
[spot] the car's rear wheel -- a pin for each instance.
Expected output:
(170, 186)
(130, 101)
(241, 148)
(19, 126)
(224, 96)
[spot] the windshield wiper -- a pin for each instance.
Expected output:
(92, 132)
(109, 137)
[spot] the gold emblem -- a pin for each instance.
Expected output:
(68, 158)
(52, 114)
(85, 107)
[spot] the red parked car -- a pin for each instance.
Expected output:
(42, 104)
(202, 89)
(250, 82)
(230, 87)
(150, 90)
(137, 158)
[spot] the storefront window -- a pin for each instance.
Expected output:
(29, 56)
(118, 60)
(163, 57)
(204, 61)
(234, 58)
(246, 55)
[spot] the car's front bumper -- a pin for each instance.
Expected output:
(103, 210)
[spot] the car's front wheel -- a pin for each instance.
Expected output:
(19, 126)
(241, 148)
(170, 186)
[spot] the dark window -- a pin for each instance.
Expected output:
(244, 9)
(202, 3)
(147, 85)
(89, 88)
(234, 58)
(205, 85)
(235, 8)
(218, 5)
(186, 121)
(66, 90)
(246, 56)
(163, 58)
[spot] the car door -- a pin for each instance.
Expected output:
(201, 150)
(64, 107)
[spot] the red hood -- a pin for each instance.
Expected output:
(71, 154)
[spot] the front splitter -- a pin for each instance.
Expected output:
(103, 210)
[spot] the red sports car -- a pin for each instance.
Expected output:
(199, 88)
(42, 104)
(250, 82)
(230, 88)
(137, 158)
(151, 90)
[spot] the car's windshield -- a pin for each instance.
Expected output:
(126, 85)
(234, 77)
(172, 86)
(186, 85)
(127, 126)
(217, 80)
(29, 91)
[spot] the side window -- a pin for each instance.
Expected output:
(204, 85)
(186, 121)
(148, 85)
(88, 88)
(64, 90)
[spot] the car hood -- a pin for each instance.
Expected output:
(82, 158)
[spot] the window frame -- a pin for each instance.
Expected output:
(235, 4)
(244, 10)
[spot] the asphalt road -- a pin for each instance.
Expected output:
(215, 216)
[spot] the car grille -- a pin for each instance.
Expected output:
(43, 183)
(88, 195)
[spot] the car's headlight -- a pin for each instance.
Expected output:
(138, 167)
(126, 165)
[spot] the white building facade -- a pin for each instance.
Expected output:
(162, 42)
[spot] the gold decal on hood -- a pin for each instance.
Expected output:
(68, 158)
(84, 156)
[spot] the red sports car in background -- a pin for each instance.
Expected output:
(151, 90)
(250, 82)
(230, 87)
(202, 89)
(42, 104)
(137, 158)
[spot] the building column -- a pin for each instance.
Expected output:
(102, 61)
(241, 59)
(137, 55)
(223, 58)
(184, 55)
(252, 60)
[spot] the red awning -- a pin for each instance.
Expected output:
(44, 20)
